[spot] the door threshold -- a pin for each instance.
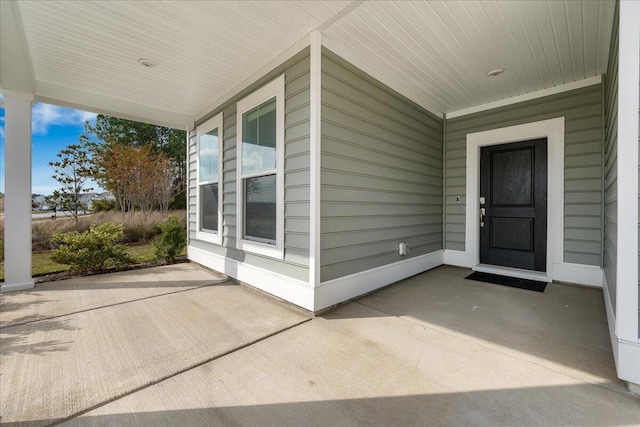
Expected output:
(513, 272)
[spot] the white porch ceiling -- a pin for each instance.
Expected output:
(441, 51)
(84, 53)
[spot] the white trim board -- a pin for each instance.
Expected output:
(273, 89)
(17, 287)
(51, 93)
(611, 319)
(553, 130)
(513, 272)
(587, 275)
(625, 353)
(344, 288)
(627, 174)
(526, 97)
(205, 235)
(458, 258)
(293, 290)
(557, 269)
(315, 156)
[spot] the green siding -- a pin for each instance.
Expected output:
(296, 169)
(582, 109)
(381, 173)
(610, 168)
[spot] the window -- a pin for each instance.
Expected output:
(209, 173)
(260, 172)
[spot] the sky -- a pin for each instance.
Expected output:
(53, 128)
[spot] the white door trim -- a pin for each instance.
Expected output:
(553, 130)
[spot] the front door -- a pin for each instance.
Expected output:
(513, 205)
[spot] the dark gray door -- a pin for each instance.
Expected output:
(513, 186)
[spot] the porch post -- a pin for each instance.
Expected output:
(17, 219)
(627, 173)
(315, 141)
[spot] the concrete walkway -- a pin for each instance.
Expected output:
(64, 352)
(432, 350)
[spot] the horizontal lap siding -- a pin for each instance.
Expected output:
(296, 170)
(582, 110)
(381, 173)
(610, 168)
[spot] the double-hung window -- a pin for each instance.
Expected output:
(260, 170)
(209, 173)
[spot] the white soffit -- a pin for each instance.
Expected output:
(438, 53)
(202, 49)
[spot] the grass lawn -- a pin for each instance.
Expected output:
(41, 263)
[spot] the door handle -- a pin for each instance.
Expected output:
(482, 214)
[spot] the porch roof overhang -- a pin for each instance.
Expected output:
(84, 54)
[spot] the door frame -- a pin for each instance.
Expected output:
(553, 130)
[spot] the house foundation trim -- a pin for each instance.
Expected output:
(344, 288)
(625, 353)
(295, 291)
(458, 258)
(17, 287)
(589, 275)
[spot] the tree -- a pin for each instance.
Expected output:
(72, 171)
(171, 142)
(137, 177)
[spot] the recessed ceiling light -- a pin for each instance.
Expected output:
(495, 72)
(146, 62)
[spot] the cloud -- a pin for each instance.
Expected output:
(46, 115)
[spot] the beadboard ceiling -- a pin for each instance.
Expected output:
(438, 53)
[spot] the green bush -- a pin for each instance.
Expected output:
(104, 206)
(1, 250)
(95, 250)
(171, 241)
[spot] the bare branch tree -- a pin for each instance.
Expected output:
(72, 170)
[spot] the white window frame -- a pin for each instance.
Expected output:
(273, 89)
(209, 235)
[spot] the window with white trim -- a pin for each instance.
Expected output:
(209, 175)
(260, 171)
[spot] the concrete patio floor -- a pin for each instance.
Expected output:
(179, 345)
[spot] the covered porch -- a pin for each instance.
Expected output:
(180, 345)
(456, 69)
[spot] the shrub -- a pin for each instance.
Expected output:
(137, 229)
(104, 206)
(96, 249)
(171, 241)
(1, 250)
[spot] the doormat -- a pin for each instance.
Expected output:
(514, 282)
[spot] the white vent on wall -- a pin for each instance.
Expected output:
(403, 249)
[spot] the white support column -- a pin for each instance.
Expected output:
(17, 217)
(315, 156)
(627, 265)
(628, 345)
